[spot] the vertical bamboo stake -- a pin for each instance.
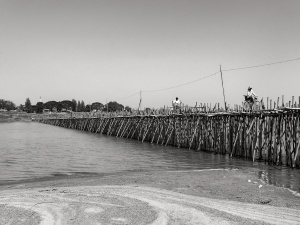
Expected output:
(223, 89)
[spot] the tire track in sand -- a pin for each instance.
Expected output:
(132, 205)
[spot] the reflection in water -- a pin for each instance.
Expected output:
(282, 177)
(33, 150)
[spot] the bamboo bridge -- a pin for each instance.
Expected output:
(272, 136)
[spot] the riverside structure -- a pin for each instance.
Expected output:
(272, 136)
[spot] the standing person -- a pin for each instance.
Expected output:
(176, 103)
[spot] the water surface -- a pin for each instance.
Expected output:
(33, 150)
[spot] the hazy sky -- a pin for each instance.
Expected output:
(111, 49)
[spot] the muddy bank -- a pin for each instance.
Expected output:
(165, 197)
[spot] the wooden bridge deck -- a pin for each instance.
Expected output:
(269, 135)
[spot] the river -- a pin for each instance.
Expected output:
(32, 151)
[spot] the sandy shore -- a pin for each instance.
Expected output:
(165, 197)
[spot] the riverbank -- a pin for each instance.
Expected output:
(164, 197)
(14, 116)
(8, 117)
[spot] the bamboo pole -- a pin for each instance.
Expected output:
(269, 135)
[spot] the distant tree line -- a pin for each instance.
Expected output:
(7, 105)
(61, 106)
(73, 105)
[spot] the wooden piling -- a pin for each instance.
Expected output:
(270, 135)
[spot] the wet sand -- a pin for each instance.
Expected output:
(164, 197)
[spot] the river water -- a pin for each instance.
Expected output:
(32, 150)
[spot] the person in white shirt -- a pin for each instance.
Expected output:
(251, 96)
(176, 103)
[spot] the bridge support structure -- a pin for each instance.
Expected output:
(270, 136)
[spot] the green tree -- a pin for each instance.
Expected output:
(28, 106)
(74, 109)
(68, 105)
(59, 107)
(82, 106)
(88, 108)
(50, 105)
(8, 105)
(21, 107)
(128, 109)
(78, 106)
(97, 106)
(39, 107)
(113, 107)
